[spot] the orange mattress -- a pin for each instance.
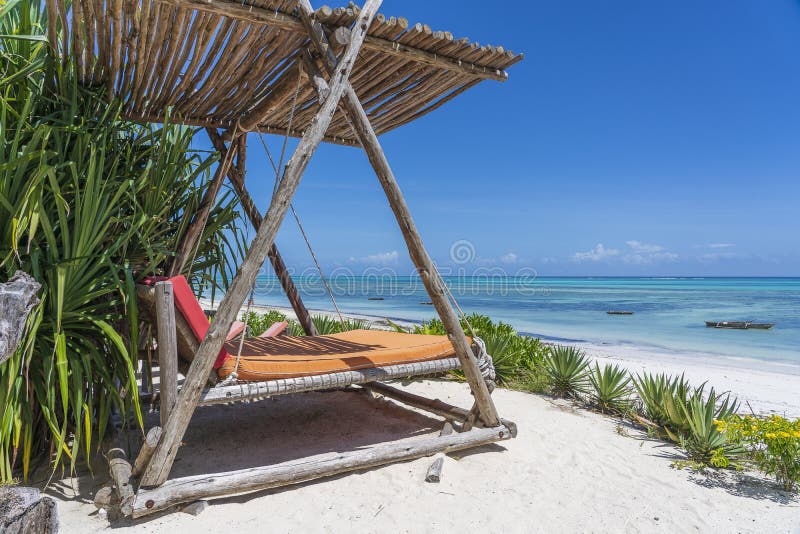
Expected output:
(289, 357)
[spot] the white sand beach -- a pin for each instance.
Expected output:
(568, 470)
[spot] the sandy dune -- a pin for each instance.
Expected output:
(568, 471)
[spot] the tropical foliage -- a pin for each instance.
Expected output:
(610, 392)
(517, 358)
(701, 439)
(89, 203)
(568, 370)
(772, 444)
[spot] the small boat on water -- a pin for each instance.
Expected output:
(619, 312)
(739, 325)
(375, 298)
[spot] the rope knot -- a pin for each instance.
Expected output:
(485, 363)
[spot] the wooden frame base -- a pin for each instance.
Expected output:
(218, 485)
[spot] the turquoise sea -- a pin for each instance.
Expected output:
(669, 313)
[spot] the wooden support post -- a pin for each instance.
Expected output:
(218, 485)
(120, 471)
(434, 473)
(158, 469)
(195, 230)
(422, 261)
(147, 450)
(237, 179)
(167, 349)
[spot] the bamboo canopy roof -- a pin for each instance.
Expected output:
(239, 65)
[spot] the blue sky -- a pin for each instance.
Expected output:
(636, 138)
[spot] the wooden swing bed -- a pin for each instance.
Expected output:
(234, 67)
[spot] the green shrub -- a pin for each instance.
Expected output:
(702, 441)
(328, 324)
(772, 444)
(610, 391)
(568, 370)
(257, 323)
(518, 359)
(661, 397)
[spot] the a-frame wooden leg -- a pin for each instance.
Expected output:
(164, 456)
(237, 178)
(422, 261)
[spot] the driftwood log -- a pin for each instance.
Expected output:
(17, 299)
(217, 485)
(434, 473)
(24, 511)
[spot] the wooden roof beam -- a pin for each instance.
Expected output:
(259, 15)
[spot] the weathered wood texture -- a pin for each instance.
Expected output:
(434, 473)
(297, 471)
(167, 349)
(17, 299)
(120, 470)
(422, 261)
(256, 390)
(434, 406)
(146, 452)
(219, 63)
(164, 456)
(237, 178)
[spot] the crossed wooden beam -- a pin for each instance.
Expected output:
(334, 92)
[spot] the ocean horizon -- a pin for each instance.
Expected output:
(669, 312)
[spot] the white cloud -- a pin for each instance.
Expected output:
(509, 258)
(639, 247)
(646, 253)
(644, 259)
(381, 258)
(721, 245)
(598, 253)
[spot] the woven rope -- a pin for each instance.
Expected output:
(485, 363)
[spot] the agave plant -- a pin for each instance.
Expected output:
(611, 392)
(703, 442)
(568, 370)
(661, 396)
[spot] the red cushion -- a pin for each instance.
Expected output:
(190, 308)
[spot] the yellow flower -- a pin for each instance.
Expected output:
(770, 435)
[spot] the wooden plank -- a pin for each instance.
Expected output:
(163, 458)
(167, 349)
(422, 261)
(285, 386)
(237, 179)
(218, 485)
(255, 14)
